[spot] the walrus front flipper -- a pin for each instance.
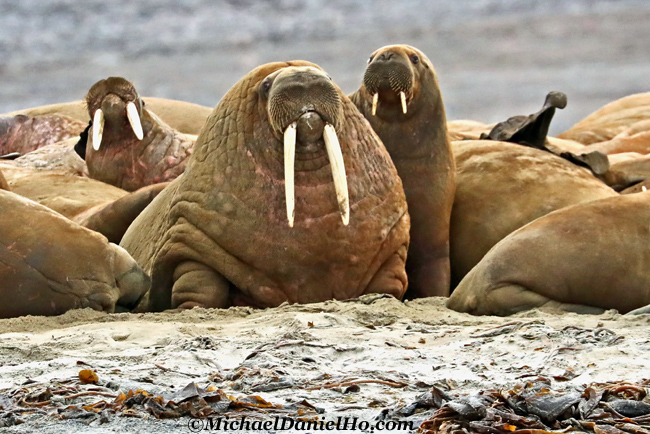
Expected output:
(10, 156)
(113, 219)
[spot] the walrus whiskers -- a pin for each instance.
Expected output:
(402, 96)
(338, 171)
(289, 161)
(98, 128)
(134, 120)
(375, 100)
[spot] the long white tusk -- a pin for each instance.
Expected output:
(134, 120)
(98, 128)
(338, 171)
(375, 100)
(289, 162)
(402, 96)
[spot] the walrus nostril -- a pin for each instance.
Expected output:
(387, 55)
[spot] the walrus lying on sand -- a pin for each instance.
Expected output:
(23, 134)
(127, 145)
(288, 197)
(585, 258)
(49, 265)
(401, 99)
(503, 186)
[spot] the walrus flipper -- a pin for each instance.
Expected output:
(529, 130)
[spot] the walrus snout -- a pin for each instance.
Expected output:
(295, 91)
(303, 102)
(389, 77)
(113, 98)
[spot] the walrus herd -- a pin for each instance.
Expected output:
(292, 191)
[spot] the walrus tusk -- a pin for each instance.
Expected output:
(98, 128)
(289, 161)
(134, 120)
(375, 100)
(338, 171)
(402, 96)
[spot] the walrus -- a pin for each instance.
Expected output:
(185, 117)
(585, 258)
(49, 265)
(127, 145)
(3, 182)
(23, 134)
(401, 99)
(289, 196)
(501, 187)
(92, 204)
(610, 120)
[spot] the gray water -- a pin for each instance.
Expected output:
(494, 58)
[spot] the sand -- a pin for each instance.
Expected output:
(282, 354)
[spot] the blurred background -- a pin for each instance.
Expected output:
(494, 58)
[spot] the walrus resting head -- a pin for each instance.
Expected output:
(304, 107)
(111, 104)
(395, 77)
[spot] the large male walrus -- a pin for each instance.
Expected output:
(23, 134)
(49, 265)
(503, 186)
(288, 197)
(127, 145)
(585, 258)
(401, 99)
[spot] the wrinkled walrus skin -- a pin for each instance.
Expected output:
(503, 186)
(113, 152)
(219, 234)
(586, 258)
(49, 265)
(418, 144)
(24, 134)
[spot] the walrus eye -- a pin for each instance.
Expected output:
(415, 59)
(266, 85)
(370, 59)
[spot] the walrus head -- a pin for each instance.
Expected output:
(304, 107)
(112, 103)
(394, 77)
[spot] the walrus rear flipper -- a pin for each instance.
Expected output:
(113, 220)
(529, 130)
(532, 131)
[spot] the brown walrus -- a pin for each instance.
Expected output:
(401, 99)
(610, 120)
(49, 265)
(253, 221)
(92, 204)
(23, 134)
(503, 186)
(585, 258)
(3, 182)
(185, 117)
(127, 145)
